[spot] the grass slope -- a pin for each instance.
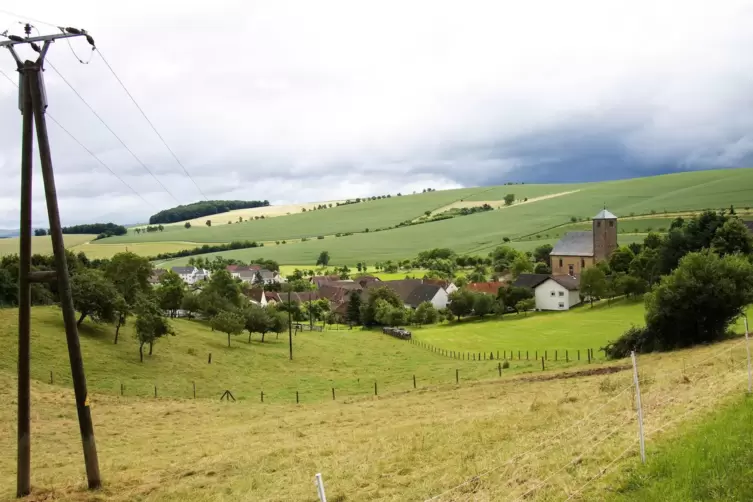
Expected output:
(578, 329)
(42, 245)
(349, 361)
(97, 250)
(454, 441)
(710, 461)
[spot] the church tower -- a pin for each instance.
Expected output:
(605, 235)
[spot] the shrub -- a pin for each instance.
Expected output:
(505, 239)
(320, 237)
(505, 365)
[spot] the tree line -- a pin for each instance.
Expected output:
(207, 248)
(203, 208)
(101, 229)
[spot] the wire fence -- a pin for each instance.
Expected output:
(660, 398)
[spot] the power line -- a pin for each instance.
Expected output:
(101, 162)
(150, 123)
(13, 14)
(112, 132)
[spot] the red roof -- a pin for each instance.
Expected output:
(242, 268)
(490, 288)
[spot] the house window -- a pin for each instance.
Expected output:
(582, 263)
(562, 293)
(551, 293)
(570, 269)
(562, 305)
(611, 223)
(560, 262)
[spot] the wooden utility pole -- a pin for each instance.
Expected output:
(33, 104)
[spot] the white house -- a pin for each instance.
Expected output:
(192, 275)
(552, 292)
(432, 293)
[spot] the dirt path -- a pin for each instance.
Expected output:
(498, 204)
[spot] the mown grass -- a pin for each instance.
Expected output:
(348, 360)
(579, 329)
(491, 440)
(98, 250)
(709, 461)
(42, 245)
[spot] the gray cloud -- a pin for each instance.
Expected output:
(293, 100)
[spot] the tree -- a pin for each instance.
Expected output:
(732, 237)
(483, 304)
(525, 305)
(323, 259)
(631, 285)
(593, 283)
(40, 232)
(511, 295)
(94, 296)
(278, 321)
(209, 223)
(620, 259)
(461, 302)
(509, 199)
(229, 322)
(170, 292)
(478, 275)
(425, 314)
(542, 254)
(368, 310)
(652, 240)
(521, 265)
(398, 316)
(130, 274)
(187, 224)
(190, 304)
(696, 303)
(257, 321)
(541, 268)
(354, 308)
(461, 281)
(223, 286)
(646, 266)
(150, 326)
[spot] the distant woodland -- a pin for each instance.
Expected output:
(204, 208)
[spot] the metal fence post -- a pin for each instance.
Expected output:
(640, 408)
(320, 487)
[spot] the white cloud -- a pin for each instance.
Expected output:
(294, 100)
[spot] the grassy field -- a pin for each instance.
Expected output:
(97, 250)
(498, 439)
(42, 245)
(709, 461)
(348, 360)
(581, 328)
(675, 192)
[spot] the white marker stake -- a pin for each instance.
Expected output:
(640, 408)
(320, 487)
(747, 347)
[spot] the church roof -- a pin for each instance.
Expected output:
(575, 244)
(604, 215)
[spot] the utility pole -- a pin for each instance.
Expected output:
(290, 325)
(33, 104)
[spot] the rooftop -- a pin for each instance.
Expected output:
(575, 244)
(605, 215)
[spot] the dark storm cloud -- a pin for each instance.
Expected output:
(293, 101)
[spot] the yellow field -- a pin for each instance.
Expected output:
(95, 250)
(267, 212)
(504, 439)
(41, 245)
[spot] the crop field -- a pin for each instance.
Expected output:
(42, 245)
(97, 250)
(477, 233)
(542, 436)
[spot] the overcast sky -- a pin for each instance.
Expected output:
(314, 100)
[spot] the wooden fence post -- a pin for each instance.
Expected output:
(262, 396)
(375, 388)
(457, 376)
(51, 379)
(209, 360)
(555, 355)
(296, 397)
(578, 354)
(414, 381)
(155, 391)
(542, 364)
(333, 393)
(567, 356)
(194, 390)
(122, 389)
(499, 367)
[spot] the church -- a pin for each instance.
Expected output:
(577, 251)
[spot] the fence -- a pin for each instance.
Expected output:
(643, 404)
(556, 355)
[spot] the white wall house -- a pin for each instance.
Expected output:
(436, 295)
(192, 275)
(451, 288)
(557, 294)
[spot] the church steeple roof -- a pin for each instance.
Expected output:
(604, 214)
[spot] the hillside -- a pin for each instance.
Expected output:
(475, 233)
(451, 440)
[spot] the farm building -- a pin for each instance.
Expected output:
(552, 292)
(577, 251)
(191, 275)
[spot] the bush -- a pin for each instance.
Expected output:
(635, 338)
(320, 237)
(505, 365)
